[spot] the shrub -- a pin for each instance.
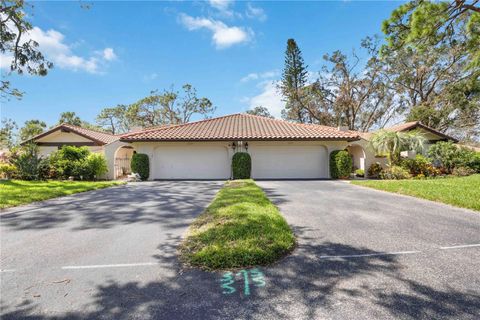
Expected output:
(443, 154)
(70, 161)
(340, 164)
(395, 173)
(419, 166)
(374, 170)
(27, 162)
(7, 171)
(140, 164)
(97, 165)
(360, 173)
(463, 171)
(241, 165)
(474, 162)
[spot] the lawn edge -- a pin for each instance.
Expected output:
(40, 202)
(414, 197)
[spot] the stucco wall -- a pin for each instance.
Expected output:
(151, 148)
(109, 152)
(59, 136)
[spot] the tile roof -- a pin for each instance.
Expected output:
(240, 127)
(94, 135)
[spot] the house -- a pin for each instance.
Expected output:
(204, 149)
(363, 156)
(117, 153)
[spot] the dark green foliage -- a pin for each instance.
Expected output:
(77, 162)
(374, 170)
(241, 165)
(449, 156)
(141, 165)
(419, 167)
(395, 173)
(28, 163)
(341, 164)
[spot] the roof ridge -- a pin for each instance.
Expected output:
(80, 127)
(181, 124)
(290, 122)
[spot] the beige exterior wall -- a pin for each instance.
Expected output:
(181, 152)
(109, 152)
(66, 137)
(369, 155)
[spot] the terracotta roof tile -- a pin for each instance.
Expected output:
(240, 127)
(97, 136)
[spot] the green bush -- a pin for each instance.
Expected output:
(462, 171)
(474, 162)
(69, 161)
(7, 171)
(97, 165)
(341, 164)
(360, 173)
(395, 173)
(374, 170)
(140, 164)
(27, 162)
(241, 165)
(419, 166)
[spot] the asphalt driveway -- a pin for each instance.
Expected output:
(361, 254)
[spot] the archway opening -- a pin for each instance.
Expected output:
(123, 158)
(358, 156)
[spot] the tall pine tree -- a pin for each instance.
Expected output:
(294, 79)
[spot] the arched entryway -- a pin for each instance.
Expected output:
(123, 157)
(358, 156)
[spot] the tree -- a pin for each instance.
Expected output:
(260, 111)
(294, 80)
(435, 86)
(423, 24)
(31, 129)
(170, 107)
(70, 117)
(15, 45)
(392, 143)
(114, 120)
(352, 95)
(7, 133)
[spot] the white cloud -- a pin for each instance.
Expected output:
(150, 77)
(269, 98)
(255, 12)
(257, 76)
(109, 54)
(220, 4)
(52, 45)
(222, 35)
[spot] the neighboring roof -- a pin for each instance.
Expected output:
(417, 124)
(94, 135)
(240, 127)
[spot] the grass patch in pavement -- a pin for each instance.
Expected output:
(458, 191)
(18, 192)
(240, 228)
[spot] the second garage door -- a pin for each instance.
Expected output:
(191, 162)
(289, 162)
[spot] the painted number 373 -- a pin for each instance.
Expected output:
(248, 277)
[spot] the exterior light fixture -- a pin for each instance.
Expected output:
(246, 146)
(234, 146)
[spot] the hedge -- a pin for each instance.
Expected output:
(241, 165)
(340, 164)
(140, 164)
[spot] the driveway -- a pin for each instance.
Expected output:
(361, 254)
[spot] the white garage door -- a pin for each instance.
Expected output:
(191, 162)
(289, 162)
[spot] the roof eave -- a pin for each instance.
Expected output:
(349, 139)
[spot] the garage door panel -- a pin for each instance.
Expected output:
(289, 162)
(192, 162)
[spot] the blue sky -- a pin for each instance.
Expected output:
(232, 52)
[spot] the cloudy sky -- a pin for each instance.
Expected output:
(232, 52)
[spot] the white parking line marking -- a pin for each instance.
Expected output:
(120, 265)
(370, 254)
(7, 270)
(462, 246)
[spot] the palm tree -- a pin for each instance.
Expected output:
(392, 143)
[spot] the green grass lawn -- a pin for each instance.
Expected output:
(18, 192)
(240, 228)
(458, 191)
